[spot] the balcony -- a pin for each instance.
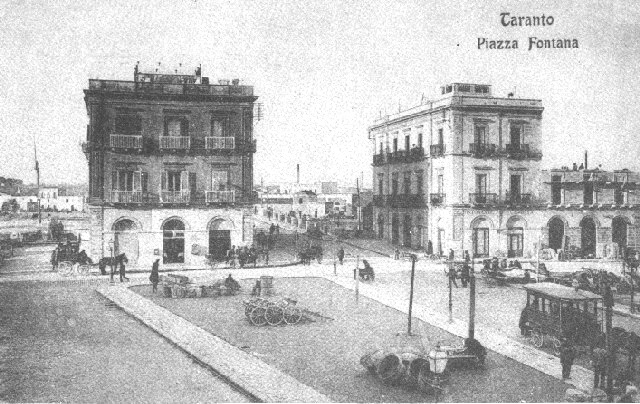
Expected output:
(220, 143)
(406, 201)
(125, 141)
(437, 150)
(175, 142)
(518, 199)
(378, 159)
(116, 196)
(220, 197)
(483, 150)
(482, 199)
(406, 156)
(520, 151)
(437, 199)
(178, 197)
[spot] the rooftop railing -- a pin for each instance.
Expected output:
(164, 88)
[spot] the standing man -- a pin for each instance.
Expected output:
(155, 276)
(341, 255)
(599, 360)
(122, 270)
(567, 355)
(452, 255)
(54, 259)
(465, 274)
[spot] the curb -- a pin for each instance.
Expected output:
(241, 369)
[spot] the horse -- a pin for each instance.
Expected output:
(111, 261)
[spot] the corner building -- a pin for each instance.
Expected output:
(464, 173)
(170, 167)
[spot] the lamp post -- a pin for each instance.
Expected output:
(111, 247)
(608, 311)
(472, 302)
(414, 258)
(449, 274)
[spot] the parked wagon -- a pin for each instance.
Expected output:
(555, 311)
(260, 311)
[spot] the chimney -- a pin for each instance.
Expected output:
(585, 159)
(298, 174)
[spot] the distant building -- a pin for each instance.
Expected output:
(464, 173)
(170, 167)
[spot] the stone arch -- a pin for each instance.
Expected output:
(220, 230)
(477, 221)
(620, 232)
(167, 220)
(558, 217)
(557, 227)
(137, 225)
(588, 235)
(221, 223)
(173, 240)
(125, 238)
(516, 221)
(480, 229)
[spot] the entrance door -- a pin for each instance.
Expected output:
(406, 227)
(126, 240)
(173, 242)
(481, 242)
(588, 237)
(516, 239)
(556, 233)
(380, 227)
(219, 243)
(440, 240)
(395, 230)
(619, 233)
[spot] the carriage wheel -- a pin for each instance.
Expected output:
(537, 338)
(65, 268)
(556, 346)
(292, 315)
(274, 315)
(83, 269)
(247, 310)
(257, 316)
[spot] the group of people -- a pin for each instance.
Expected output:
(241, 256)
(464, 274)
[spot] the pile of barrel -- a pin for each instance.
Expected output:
(396, 365)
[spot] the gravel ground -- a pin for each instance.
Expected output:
(325, 354)
(63, 344)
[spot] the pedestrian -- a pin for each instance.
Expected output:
(396, 254)
(278, 230)
(452, 275)
(465, 275)
(567, 355)
(452, 255)
(466, 256)
(341, 255)
(257, 289)
(429, 248)
(599, 360)
(122, 271)
(229, 254)
(155, 276)
(527, 276)
(54, 259)
(266, 257)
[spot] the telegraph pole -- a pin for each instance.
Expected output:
(413, 273)
(35, 153)
(472, 302)
(608, 312)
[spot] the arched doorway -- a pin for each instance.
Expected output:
(395, 229)
(556, 233)
(406, 230)
(219, 238)
(380, 226)
(125, 239)
(515, 237)
(480, 237)
(619, 232)
(588, 237)
(173, 242)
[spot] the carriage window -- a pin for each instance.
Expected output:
(543, 305)
(554, 309)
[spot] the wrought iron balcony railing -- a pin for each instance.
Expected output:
(125, 141)
(437, 199)
(116, 196)
(521, 151)
(220, 143)
(482, 199)
(406, 201)
(175, 197)
(175, 142)
(518, 199)
(483, 149)
(437, 150)
(221, 196)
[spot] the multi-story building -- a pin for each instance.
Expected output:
(464, 173)
(170, 166)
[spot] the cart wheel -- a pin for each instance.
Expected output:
(83, 269)
(556, 346)
(64, 268)
(247, 310)
(292, 315)
(537, 338)
(274, 315)
(257, 316)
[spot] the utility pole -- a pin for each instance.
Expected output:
(450, 292)
(35, 153)
(413, 273)
(608, 311)
(472, 302)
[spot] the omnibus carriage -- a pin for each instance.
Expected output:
(554, 311)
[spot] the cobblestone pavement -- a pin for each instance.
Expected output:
(325, 354)
(67, 344)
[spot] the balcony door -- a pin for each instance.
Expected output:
(219, 180)
(173, 242)
(128, 186)
(480, 242)
(480, 134)
(481, 188)
(515, 188)
(516, 136)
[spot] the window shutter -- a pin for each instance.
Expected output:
(192, 184)
(163, 182)
(114, 180)
(137, 180)
(184, 181)
(526, 136)
(184, 127)
(145, 181)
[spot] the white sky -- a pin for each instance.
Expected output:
(323, 70)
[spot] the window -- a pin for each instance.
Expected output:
(516, 134)
(128, 125)
(380, 184)
(176, 127)
(556, 189)
(481, 184)
(482, 89)
(464, 88)
(515, 184)
(394, 184)
(219, 180)
(124, 180)
(588, 190)
(420, 140)
(480, 242)
(406, 183)
(419, 181)
(441, 184)
(218, 127)
(440, 136)
(407, 142)
(480, 134)
(381, 148)
(395, 144)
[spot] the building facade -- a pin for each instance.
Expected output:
(170, 167)
(463, 173)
